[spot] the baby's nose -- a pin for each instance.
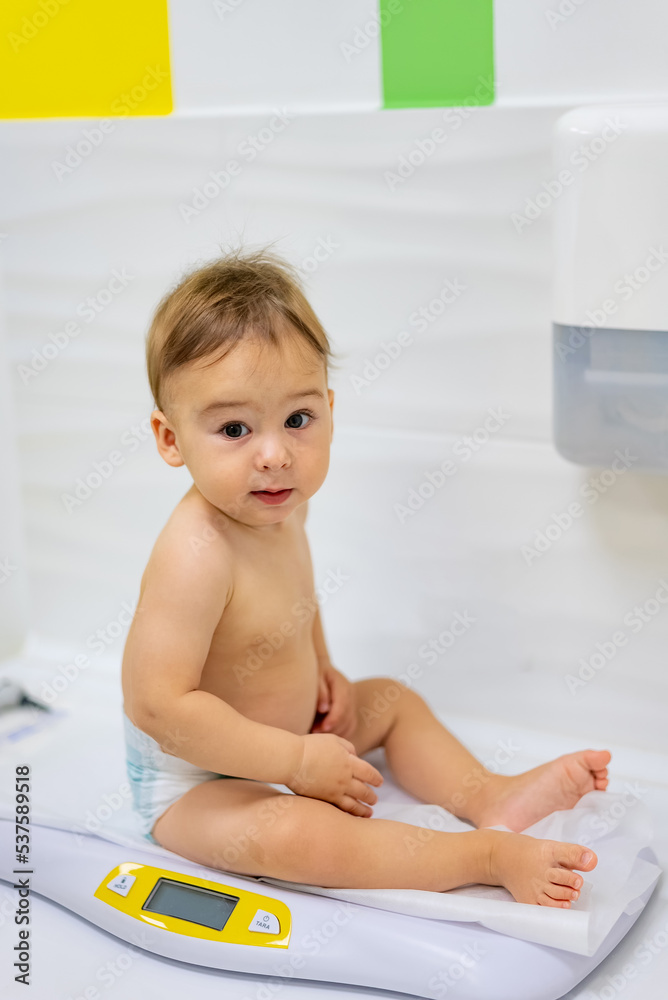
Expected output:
(274, 456)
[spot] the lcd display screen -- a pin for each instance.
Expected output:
(191, 902)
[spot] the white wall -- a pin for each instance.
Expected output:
(323, 178)
(13, 575)
(250, 55)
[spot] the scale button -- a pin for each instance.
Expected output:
(122, 884)
(266, 923)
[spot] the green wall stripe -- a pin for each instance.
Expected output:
(437, 53)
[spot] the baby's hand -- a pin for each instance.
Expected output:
(331, 770)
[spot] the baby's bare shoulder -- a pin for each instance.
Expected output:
(191, 550)
(186, 586)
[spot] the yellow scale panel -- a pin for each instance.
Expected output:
(235, 931)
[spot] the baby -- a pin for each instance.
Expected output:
(228, 688)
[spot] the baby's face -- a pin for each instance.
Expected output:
(259, 419)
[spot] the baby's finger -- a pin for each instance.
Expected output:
(360, 790)
(367, 772)
(351, 805)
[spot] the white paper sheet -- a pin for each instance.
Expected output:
(616, 827)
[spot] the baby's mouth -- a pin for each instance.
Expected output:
(272, 496)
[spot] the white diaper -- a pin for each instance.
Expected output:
(157, 779)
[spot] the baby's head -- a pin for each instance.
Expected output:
(238, 365)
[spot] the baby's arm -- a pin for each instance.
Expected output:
(183, 598)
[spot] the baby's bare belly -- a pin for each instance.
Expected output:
(284, 695)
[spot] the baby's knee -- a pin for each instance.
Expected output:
(399, 689)
(299, 837)
(386, 690)
(321, 842)
(256, 838)
(390, 693)
(380, 701)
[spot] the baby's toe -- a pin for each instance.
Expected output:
(561, 891)
(565, 877)
(596, 760)
(545, 900)
(575, 856)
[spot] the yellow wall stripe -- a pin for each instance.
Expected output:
(81, 58)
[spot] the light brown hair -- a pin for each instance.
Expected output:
(215, 306)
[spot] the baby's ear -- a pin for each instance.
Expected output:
(165, 438)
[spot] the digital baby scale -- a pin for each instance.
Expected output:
(170, 907)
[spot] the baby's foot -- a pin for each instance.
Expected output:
(521, 800)
(538, 871)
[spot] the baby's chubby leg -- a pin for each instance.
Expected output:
(430, 763)
(250, 828)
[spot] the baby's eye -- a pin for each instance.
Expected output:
(302, 413)
(234, 430)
